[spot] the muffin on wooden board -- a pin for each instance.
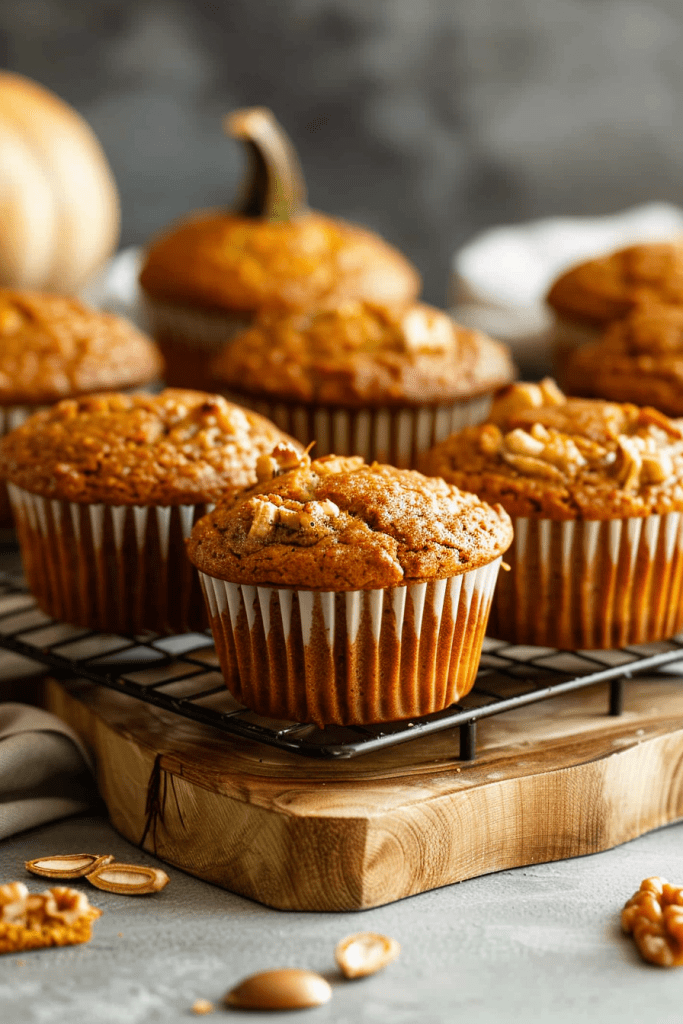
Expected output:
(54, 347)
(637, 359)
(595, 491)
(359, 378)
(585, 299)
(342, 593)
(105, 490)
(206, 276)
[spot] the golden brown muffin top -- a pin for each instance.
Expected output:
(54, 347)
(637, 359)
(360, 353)
(339, 524)
(607, 288)
(547, 456)
(219, 260)
(178, 447)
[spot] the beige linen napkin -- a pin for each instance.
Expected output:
(45, 772)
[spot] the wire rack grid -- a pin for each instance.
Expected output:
(180, 674)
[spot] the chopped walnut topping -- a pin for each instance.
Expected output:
(282, 458)
(519, 397)
(490, 439)
(541, 452)
(265, 518)
(425, 330)
(271, 511)
(519, 442)
(653, 417)
(656, 468)
(327, 465)
(572, 436)
(654, 916)
(551, 393)
(639, 462)
(530, 466)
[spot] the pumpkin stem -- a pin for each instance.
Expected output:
(274, 187)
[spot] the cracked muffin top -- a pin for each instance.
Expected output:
(218, 260)
(177, 447)
(638, 359)
(360, 353)
(338, 524)
(544, 455)
(608, 288)
(54, 347)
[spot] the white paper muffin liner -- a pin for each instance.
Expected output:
(588, 584)
(396, 435)
(351, 657)
(11, 417)
(117, 568)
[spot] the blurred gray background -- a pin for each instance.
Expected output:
(424, 119)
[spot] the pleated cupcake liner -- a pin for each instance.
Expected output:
(396, 435)
(348, 658)
(114, 568)
(588, 584)
(11, 417)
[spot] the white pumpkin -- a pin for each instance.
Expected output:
(59, 206)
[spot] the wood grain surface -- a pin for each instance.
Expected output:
(551, 780)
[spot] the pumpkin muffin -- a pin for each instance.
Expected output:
(54, 347)
(585, 299)
(384, 382)
(595, 491)
(205, 277)
(105, 489)
(638, 359)
(343, 593)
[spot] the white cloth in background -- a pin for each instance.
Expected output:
(45, 772)
(116, 287)
(499, 280)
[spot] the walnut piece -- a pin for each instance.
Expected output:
(653, 417)
(490, 439)
(640, 461)
(271, 511)
(517, 398)
(283, 457)
(541, 452)
(55, 917)
(654, 916)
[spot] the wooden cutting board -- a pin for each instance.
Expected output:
(551, 780)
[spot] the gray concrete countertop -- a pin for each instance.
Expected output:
(541, 943)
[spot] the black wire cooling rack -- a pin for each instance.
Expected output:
(180, 674)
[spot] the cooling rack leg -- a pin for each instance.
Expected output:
(616, 696)
(468, 741)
